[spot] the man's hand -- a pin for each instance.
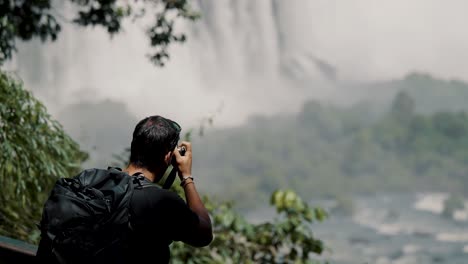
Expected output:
(184, 163)
(203, 235)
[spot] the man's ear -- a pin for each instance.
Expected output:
(168, 157)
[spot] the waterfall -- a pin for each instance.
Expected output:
(248, 57)
(243, 57)
(238, 60)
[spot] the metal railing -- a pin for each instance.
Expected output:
(16, 251)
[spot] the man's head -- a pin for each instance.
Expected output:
(154, 139)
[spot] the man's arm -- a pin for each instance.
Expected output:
(204, 233)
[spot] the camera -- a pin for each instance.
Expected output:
(172, 175)
(182, 150)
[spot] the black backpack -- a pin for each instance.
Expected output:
(86, 218)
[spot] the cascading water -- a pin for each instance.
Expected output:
(239, 57)
(242, 57)
(261, 56)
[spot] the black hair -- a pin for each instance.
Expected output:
(153, 137)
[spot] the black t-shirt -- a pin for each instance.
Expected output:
(158, 217)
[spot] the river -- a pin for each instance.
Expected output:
(392, 229)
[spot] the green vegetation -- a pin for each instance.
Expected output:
(431, 94)
(34, 152)
(287, 239)
(329, 151)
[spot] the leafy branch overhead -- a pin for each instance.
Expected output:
(25, 20)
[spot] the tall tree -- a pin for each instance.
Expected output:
(34, 152)
(403, 107)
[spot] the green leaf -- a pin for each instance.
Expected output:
(320, 214)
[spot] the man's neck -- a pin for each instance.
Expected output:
(132, 169)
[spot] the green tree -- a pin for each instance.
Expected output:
(25, 20)
(34, 152)
(286, 239)
(402, 107)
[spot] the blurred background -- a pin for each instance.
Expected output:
(359, 106)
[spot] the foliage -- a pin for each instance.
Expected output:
(403, 107)
(287, 239)
(429, 93)
(34, 152)
(330, 151)
(25, 20)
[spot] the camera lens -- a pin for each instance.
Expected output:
(182, 150)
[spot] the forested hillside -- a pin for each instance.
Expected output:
(430, 93)
(329, 151)
(407, 141)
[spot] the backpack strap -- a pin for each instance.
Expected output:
(170, 179)
(139, 181)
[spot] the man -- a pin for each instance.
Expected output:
(157, 216)
(160, 216)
